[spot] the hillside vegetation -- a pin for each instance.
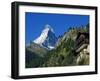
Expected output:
(63, 54)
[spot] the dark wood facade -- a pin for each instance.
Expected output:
(82, 41)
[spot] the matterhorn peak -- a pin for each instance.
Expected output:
(48, 27)
(47, 38)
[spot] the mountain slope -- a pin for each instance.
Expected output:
(63, 54)
(34, 55)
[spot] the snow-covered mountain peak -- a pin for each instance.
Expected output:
(47, 38)
(48, 28)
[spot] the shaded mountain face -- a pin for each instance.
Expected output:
(47, 39)
(34, 55)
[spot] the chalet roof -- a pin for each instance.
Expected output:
(82, 35)
(82, 41)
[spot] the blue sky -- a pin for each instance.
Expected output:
(35, 23)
